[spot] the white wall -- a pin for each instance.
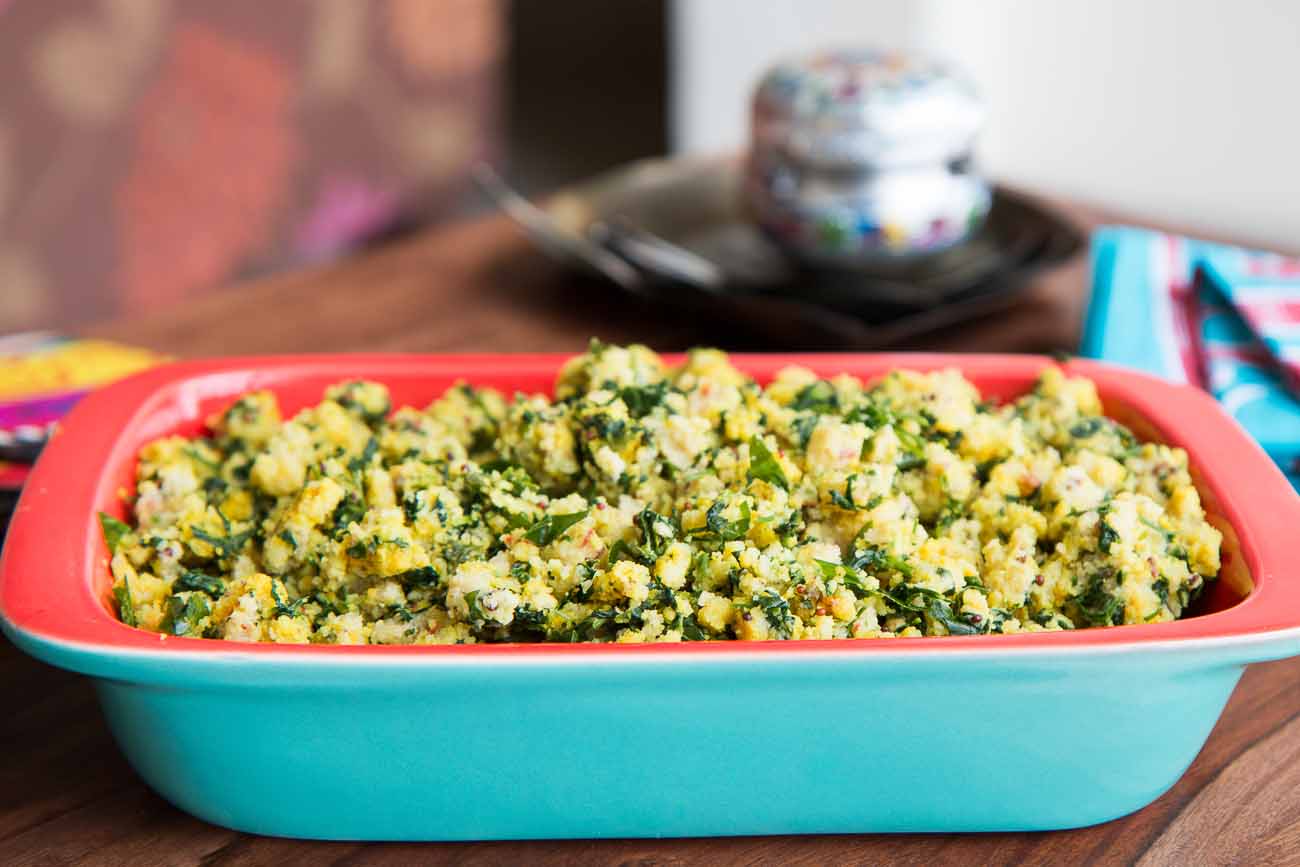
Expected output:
(1183, 111)
(721, 47)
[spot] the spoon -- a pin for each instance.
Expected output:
(655, 255)
(547, 233)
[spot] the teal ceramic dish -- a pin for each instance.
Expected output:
(1027, 732)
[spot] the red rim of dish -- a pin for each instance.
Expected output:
(54, 581)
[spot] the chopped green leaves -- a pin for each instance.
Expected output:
(1087, 427)
(846, 500)
(227, 546)
(372, 544)
(604, 426)
(594, 625)
(716, 526)
(552, 527)
(113, 530)
(904, 598)
(185, 616)
(330, 604)
(873, 414)
(412, 503)
(727, 531)
(350, 510)
(421, 576)
(846, 575)
(530, 620)
(803, 427)
(691, 630)
(1161, 588)
(359, 463)
(351, 396)
(908, 461)
(125, 605)
(876, 414)
(194, 580)
(514, 521)
(1098, 603)
(763, 465)
(788, 528)
(941, 612)
(224, 545)
(952, 511)
(776, 610)
(474, 605)
(192, 452)
(1106, 536)
(280, 608)
(642, 399)
(1092, 426)
(657, 532)
(625, 550)
(872, 559)
(817, 397)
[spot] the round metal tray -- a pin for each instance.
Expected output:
(697, 205)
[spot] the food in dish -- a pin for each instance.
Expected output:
(653, 503)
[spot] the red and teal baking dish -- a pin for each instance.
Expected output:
(975, 733)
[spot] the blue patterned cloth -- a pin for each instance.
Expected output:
(1205, 314)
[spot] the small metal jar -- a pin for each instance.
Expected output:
(861, 158)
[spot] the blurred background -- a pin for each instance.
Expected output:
(244, 137)
(1176, 110)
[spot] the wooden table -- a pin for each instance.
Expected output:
(67, 795)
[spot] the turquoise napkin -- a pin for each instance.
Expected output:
(1219, 317)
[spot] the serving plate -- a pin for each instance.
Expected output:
(1014, 732)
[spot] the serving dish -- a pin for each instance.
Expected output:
(1003, 732)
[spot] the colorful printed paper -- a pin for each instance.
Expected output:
(43, 375)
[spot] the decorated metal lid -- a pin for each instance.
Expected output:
(866, 108)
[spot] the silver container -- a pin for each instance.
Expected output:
(861, 158)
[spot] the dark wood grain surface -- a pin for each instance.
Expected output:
(480, 287)
(67, 795)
